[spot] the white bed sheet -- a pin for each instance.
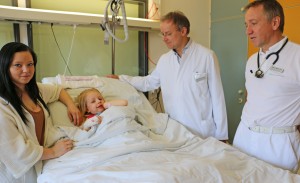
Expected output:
(159, 150)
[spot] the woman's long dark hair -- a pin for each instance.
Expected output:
(8, 90)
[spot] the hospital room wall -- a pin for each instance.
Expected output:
(82, 48)
(217, 24)
(88, 48)
(86, 53)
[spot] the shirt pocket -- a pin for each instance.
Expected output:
(200, 80)
(198, 77)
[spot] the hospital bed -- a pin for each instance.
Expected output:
(136, 144)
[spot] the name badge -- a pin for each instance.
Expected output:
(277, 69)
(199, 76)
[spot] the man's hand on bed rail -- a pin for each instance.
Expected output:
(113, 76)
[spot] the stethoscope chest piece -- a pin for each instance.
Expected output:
(259, 73)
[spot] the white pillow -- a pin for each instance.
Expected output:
(59, 115)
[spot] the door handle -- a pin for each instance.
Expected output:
(240, 100)
(241, 92)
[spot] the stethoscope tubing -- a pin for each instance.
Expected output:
(259, 73)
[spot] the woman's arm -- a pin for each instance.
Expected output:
(73, 111)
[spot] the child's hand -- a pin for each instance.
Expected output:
(91, 122)
(107, 105)
(99, 119)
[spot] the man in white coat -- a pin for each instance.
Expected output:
(271, 115)
(189, 77)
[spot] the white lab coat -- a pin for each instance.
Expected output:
(272, 101)
(20, 151)
(191, 89)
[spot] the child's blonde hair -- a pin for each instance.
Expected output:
(81, 99)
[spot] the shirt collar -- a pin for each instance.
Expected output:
(273, 48)
(185, 48)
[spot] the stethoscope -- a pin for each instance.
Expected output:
(259, 73)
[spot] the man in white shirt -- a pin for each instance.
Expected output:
(271, 115)
(189, 77)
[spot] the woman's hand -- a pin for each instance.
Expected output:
(75, 115)
(73, 112)
(60, 148)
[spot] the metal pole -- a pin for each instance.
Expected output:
(113, 46)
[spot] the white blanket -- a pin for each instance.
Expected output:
(141, 146)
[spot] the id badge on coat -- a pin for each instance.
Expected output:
(199, 76)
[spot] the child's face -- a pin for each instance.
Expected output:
(94, 102)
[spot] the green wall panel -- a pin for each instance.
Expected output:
(226, 9)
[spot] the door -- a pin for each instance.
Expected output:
(229, 41)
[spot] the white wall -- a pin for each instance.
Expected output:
(197, 11)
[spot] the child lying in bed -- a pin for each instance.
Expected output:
(91, 104)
